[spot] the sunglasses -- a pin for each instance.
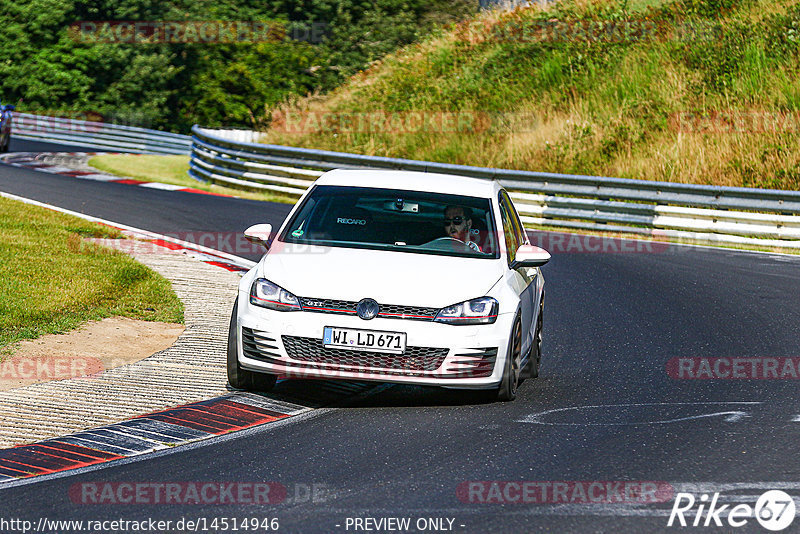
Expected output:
(454, 220)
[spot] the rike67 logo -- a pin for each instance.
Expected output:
(774, 510)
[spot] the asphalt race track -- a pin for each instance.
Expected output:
(605, 408)
(177, 214)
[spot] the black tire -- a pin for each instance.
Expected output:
(511, 370)
(242, 378)
(535, 356)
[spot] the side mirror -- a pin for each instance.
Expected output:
(530, 256)
(259, 234)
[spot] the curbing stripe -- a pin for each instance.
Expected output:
(165, 187)
(49, 450)
(30, 460)
(166, 244)
(236, 408)
(28, 160)
(201, 192)
(199, 420)
(15, 473)
(115, 439)
(152, 432)
(98, 177)
(147, 433)
(92, 443)
(35, 459)
(92, 454)
(229, 266)
(145, 444)
(270, 403)
(207, 416)
(65, 450)
(159, 430)
(54, 169)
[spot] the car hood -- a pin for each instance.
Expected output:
(389, 277)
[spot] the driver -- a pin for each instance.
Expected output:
(458, 225)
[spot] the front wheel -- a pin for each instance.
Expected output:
(535, 357)
(511, 370)
(242, 378)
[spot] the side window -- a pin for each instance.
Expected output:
(519, 230)
(511, 237)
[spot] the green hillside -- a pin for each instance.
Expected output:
(702, 91)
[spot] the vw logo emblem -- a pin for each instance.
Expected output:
(367, 309)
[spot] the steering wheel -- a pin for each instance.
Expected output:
(445, 238)
(447, 243)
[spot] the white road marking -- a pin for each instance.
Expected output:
(166, 187)
(98, 177)
(730, 416)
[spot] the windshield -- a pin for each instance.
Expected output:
(389, 219)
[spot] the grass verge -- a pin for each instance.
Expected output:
(51, 281)
(172, 170)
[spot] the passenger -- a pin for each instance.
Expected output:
(458, 225)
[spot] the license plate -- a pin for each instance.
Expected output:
(364, 340)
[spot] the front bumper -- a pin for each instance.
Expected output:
(290, 344)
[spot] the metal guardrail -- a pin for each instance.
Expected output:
(691, 212)
(98, 135)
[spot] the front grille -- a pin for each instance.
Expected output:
(307, 349)
(408, 312)
(328, 306)
(387, 311)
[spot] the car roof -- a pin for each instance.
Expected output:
(411, 181)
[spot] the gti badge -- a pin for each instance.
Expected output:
(367, 309)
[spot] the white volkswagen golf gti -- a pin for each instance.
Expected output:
(393, 276)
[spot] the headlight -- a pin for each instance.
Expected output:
(475, 311)
(272, 296)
